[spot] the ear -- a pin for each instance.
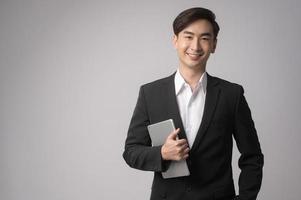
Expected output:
(214, 45)
(175, 41)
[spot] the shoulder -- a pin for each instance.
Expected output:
(159, 83)
(226, 85)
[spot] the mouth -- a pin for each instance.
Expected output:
(194, 56)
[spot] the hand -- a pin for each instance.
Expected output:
(174, 148)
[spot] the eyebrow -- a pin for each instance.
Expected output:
(203, 34)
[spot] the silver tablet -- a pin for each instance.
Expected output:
(158, 133)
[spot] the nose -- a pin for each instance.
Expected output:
(195, 45)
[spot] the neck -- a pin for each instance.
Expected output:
(191, 76)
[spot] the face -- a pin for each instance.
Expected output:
(194, 45)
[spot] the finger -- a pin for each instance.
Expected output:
(185, 156)
(182, 157)
(184, 150)
(182, 142)
(173, 135)
(185, 153)
(177, 131)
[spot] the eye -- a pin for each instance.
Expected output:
(205, 38)
(188, 37)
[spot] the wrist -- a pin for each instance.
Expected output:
(163, 154)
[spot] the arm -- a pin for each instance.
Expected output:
(251, 159)
(138, 152)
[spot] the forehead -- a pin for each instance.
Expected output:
(199, 27)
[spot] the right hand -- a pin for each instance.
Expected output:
(174, 148)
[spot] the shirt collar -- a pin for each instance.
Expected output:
(180, 82)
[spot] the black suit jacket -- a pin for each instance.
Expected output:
(226, 114)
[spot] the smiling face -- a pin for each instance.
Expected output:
(194, 44)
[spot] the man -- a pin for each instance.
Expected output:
(207, 112)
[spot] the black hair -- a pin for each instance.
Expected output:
(191, 15)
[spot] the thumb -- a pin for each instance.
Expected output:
(173, 135)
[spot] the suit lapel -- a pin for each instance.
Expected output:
(212, 96)
(172, 106)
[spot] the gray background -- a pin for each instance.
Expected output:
(69, 79)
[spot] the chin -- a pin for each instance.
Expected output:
(195, 65)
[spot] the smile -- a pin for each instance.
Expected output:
(194, 55)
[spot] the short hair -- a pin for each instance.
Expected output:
(191, 15)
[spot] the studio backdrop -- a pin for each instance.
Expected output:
(70, 72)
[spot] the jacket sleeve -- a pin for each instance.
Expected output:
(251, 159)
(138, 152)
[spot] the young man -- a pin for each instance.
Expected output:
(207, 112)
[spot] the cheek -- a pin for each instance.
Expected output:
(184, 46)
(208, 48)
(182, 43)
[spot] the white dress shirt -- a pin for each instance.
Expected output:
(191, 104)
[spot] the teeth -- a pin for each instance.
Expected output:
(194, 54)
